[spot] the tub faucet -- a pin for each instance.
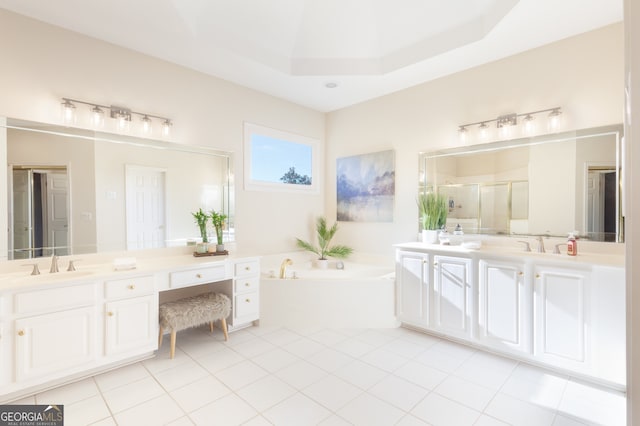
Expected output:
(54, 264)
(283, 267)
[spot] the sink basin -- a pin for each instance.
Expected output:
(46, 277)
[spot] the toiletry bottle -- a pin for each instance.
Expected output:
(572, 245)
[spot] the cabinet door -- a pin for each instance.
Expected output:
(452, 296)
(131, 325)
(562, 317)
(502, 305)
(55, 343)
(413, 288)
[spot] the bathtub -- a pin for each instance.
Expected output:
(362, 295)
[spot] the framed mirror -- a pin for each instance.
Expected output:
(75, 191)
(546, 185)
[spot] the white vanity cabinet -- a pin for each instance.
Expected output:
(452, 296)
(131, 316)
(246, 293)
(412, 285)
(55, 331)
(504, 305)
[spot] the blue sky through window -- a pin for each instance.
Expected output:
(271, 158)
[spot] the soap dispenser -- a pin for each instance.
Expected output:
(572, 245)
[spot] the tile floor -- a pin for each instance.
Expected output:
(327, 377)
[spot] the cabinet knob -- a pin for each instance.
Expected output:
(131, 287)
(247, 268)
(198, 275)
(21, 333)
(247, 284)
(247, 300)
(110, 313)
(537, 275)
(435, 263)
(521, 273)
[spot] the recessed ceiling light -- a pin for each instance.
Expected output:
(331, 85)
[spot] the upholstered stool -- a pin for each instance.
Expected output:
(192, 312)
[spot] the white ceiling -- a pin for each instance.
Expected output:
(292, 48)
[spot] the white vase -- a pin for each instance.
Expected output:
(322, 263)
(430, 236)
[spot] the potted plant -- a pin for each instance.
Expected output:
(323, 249)
(433, 215)
(201, 219)
(218, 223)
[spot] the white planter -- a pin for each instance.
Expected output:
(322, 263)
(430, 236)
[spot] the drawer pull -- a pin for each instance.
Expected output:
(521, 273)
(247, 300)
(435, 263)
(21, 333)
(247, 284)
(110, 313)
(131, 287)
(537, 275)
(198, 275)
(247, 268)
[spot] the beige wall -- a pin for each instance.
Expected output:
(42, 63)
(582, 74)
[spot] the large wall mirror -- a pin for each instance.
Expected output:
(73, 191)
(546, 185)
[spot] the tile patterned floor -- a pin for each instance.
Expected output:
(266, 376)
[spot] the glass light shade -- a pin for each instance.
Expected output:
(68, 112)
(123, 123)
(554, 120)
(97, 117)
(528, 125)
(462, 134)
(147, 127)
(166, 128)
(505, 131)
(484, 132)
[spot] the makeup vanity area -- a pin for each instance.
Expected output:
(56, 327)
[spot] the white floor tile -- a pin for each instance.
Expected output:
(454, 349)
(121, 376)
(182, 421)
(466, 393)
(561, 420)
(584, 402)
(119, 399)
(361, 374)
(421, 374)
(440, 360)
(385, 360)
(162, 361)
(241, 374)
(371, 411)
(253, 347)
(297, 410)
(281, 337)
(257, 421)
(411, 420)
(487, 377)
(158, 411)
(68, 394)
(405, 348)
(374, 338)
(266, 392)
(399, 392)
(301, 374)
(228, 410)
(180, 375)
(105, 422)
(303, 348)
(440, 411)
(275, 360)
(328, 337)
(220, 360)
(485, 420)
(86, 411)
(519, 413)
(330, 359)
(199, 393)
(29, 400)
(354, 348)
(536, 386)
(332, 392)
(334, 421)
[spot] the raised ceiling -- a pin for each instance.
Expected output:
(294, 49)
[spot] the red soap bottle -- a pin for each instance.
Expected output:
(572, 245)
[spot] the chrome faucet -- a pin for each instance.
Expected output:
(540, 244)
(283, 267)
(54, 264)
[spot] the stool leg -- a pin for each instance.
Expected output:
(223, 321)
(160, 337)
(173, 344)
(211, 326)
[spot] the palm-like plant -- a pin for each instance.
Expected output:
(218, 223)
(325, 235)
(201, 219)
(433, 210)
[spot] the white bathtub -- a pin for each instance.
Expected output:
(362, 295)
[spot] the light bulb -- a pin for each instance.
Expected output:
(123, 123)
(68, 111)
(483, 131)
(166, 128)
(554, 120)
(97, 117)
(505, 131)
(528, 125)
(146, 126)
(462, 134)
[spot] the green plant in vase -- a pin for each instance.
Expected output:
(201, 219)
(324, 249)
(218, 221)
(433, 214)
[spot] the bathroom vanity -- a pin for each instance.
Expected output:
(57, 327)
(564, 313)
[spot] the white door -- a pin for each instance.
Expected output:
(413, 288)
(54, 343)
(145, 207)
(58, 213)
(22, 223)
(595, 208)
(562, 317)
(131, 324)
(502, 305)
(452, 295)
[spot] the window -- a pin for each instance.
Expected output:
(275, 160)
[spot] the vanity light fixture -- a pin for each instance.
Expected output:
(505, 124)
(122, 116)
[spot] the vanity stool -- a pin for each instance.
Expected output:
(192, 312)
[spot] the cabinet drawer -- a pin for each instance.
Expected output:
(198, 276)
(244, 285)
(54, 299)
(128, 287)
(246, 304)
(250, 267)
